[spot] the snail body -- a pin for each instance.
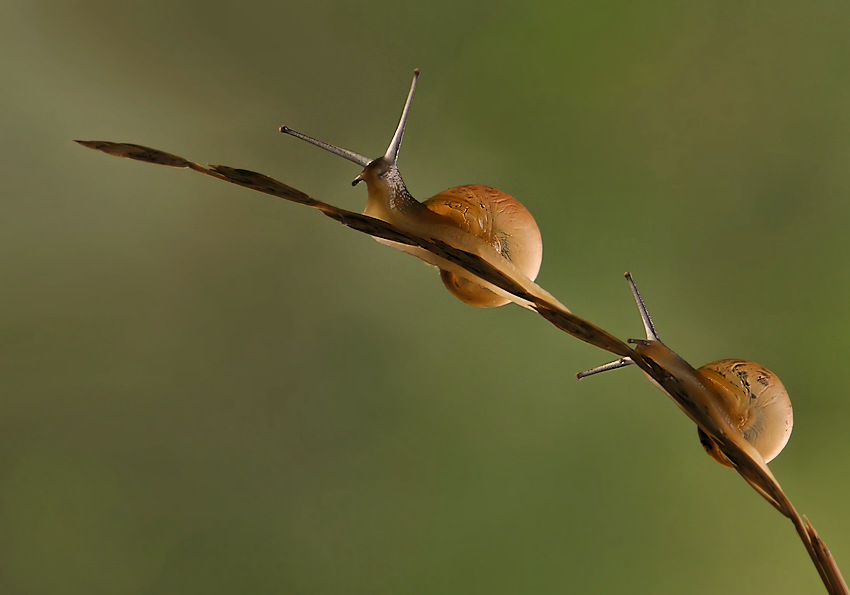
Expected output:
(743, 417)
(736, 397)
(474, 218)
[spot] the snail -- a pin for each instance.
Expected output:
(462, 216)
(486, 245)
(743, 417)
(735, 393)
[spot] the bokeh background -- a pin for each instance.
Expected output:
(206, 390)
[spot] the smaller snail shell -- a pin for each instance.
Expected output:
(499, 220)
(757, 404)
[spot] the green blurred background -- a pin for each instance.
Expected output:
(205, 390)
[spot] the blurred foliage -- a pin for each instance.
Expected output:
(203, 390)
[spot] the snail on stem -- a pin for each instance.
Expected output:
(751, 398)
(743, 417)
(488, 250)
(463, 216)
(476, 222)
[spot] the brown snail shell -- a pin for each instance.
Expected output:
(499, 220)
(757, 404)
